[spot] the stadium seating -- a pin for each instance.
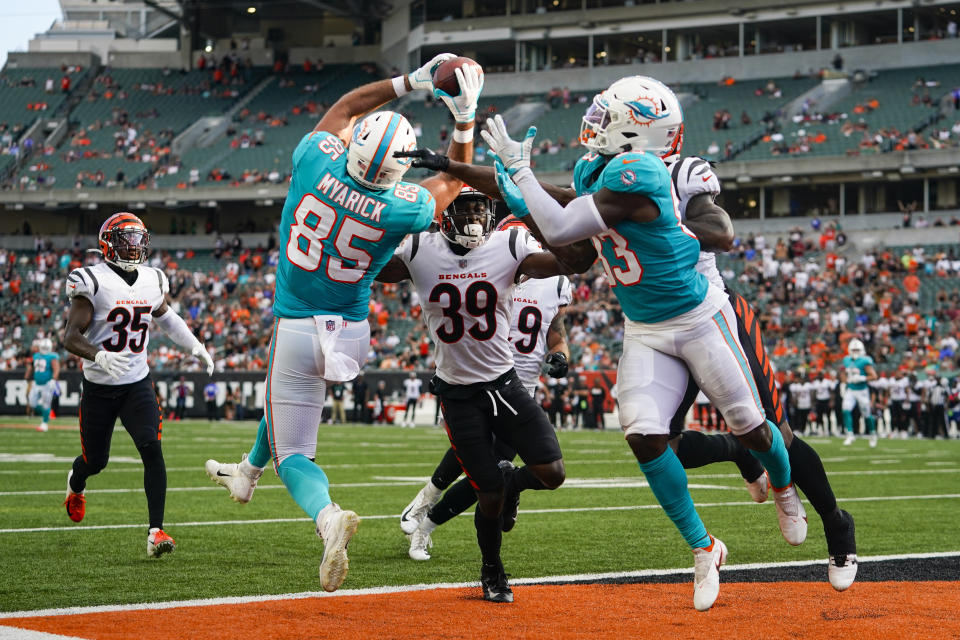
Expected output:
(892, 92)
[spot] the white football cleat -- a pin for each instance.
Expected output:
(239, 479)
(706, 573)
(420, 542)
(337, 529)
(848, 441)
(759, 488)
(416, 511)
(791, 515)
(873, 441)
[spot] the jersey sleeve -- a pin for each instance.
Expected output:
(426, 210)
(636, 172)
(564, 291)
(80, 284)
(309, 149)
(694, 176)
(525, 244)
(408, 248)
(163, 282)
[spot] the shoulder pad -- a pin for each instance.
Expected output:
(82, 282)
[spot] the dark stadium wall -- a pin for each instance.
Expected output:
(13, 390)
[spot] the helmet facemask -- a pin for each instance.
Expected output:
(468, 220)
(127, 247)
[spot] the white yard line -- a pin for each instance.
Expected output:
(641, 507)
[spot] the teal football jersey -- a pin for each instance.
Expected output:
(860, 364)
(651, 266)
(43, 367)
(336, 235)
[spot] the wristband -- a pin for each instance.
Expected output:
(463, 136)
(400, 86)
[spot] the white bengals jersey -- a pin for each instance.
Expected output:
(122, 315)
(467, 300)
(535, 305)
(692, 176)
(801, 392)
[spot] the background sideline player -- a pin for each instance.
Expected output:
(43, 372)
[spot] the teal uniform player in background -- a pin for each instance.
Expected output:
(856, 374)
(43, 371)
(346, 212)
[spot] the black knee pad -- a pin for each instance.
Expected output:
(490, 504)
(151, 452)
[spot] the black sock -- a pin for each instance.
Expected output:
(78, 481)
(810, 477)
(455, 501)
(523, 479)
(696, 449)
(154, 482)
(489, 537)
(447, 471)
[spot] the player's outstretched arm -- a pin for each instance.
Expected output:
(178, 331)
(481, 178)
(545, 264)
(394, 271)
(710, 222)
(443, 186)
(339, 118)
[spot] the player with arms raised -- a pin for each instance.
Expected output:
(466, 277)
(43, 372)
(112, 306)
(346, 211)
(676, 321)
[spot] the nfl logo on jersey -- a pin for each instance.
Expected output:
(331, 325)
(463, 264)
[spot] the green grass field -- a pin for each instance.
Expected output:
(903, 494)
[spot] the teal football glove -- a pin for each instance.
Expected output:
(510, 191)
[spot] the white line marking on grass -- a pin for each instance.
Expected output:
(583, 577)
(639, 507)
(15, 633)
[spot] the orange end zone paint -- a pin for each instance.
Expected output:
(929, 610)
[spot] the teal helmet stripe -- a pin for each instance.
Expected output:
(382, 147)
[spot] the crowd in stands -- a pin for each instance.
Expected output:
(813, 291)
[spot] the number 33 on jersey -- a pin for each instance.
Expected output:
(336, 235)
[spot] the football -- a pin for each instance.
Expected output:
(444, 77)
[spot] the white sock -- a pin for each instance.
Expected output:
(427, 525)
(325, 513)
(431, 491)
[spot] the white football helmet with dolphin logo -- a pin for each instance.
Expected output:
(636, 113)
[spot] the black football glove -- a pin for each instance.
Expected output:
(557, 365)
(425, 159)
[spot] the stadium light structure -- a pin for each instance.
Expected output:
(251, 10)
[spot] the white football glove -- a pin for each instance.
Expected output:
(464, 106)
(201, 352)
(422, 78)
(115, 364)
(514, 155)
